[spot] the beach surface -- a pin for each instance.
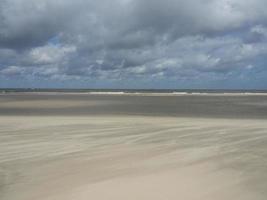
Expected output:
(125, 147)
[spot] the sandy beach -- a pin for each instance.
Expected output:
(115, 147)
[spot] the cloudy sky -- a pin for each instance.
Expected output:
(133, 43)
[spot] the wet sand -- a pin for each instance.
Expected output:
(62, 104)
(105, 147)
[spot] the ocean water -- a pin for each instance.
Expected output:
(132, 91)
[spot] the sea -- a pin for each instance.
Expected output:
(134, 91)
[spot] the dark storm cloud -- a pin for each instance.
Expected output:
(83, 39)
(30, 23)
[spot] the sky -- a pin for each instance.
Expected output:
(173, 44)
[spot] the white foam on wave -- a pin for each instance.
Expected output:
(106, 93)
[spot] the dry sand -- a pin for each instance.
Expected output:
(128, 157)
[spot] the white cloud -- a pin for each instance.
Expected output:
(12, 70)
(259, 29)
(50, 54)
